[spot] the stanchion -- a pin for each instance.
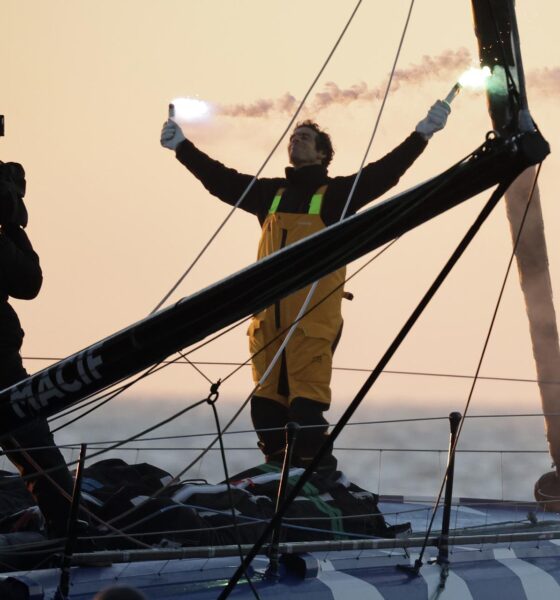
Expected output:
(64, 583)
(443, 554)
(273, 554)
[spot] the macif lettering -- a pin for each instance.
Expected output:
(56, 383)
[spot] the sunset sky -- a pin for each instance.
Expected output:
(116, 219)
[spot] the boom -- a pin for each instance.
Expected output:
(191, 319)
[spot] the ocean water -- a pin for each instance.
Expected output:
(393, 448)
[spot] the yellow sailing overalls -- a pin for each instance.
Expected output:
(307, 360)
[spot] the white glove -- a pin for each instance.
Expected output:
(171, 135)
(435, 119)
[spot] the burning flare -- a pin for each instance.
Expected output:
(473, 78)
(189, 109)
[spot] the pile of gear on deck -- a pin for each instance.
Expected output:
(142, 501)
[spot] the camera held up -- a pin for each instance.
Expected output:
(12, 191)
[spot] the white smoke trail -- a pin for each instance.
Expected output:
(444, 66)
(545, 81)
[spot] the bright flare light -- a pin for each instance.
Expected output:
(189, 109)
(473, 78)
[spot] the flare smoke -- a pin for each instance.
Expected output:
(546, 81)
(442, 66)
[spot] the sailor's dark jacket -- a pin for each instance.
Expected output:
(300, 184)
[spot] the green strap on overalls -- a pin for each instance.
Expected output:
(314, 205)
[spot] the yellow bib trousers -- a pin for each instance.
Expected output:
(303, 372)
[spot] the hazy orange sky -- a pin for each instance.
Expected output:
(116, 220)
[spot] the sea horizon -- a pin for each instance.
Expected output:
(392, 448)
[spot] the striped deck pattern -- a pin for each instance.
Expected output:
(527, 570)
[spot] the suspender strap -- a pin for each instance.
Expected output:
(276, 202)
(317, 201)
(314, 205)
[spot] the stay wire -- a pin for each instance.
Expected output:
(380, 112)
(303, 309)
(112, 394)
(102, 400)
(194, 366)
(160, 366)
(92, 398)
(442, 180)
(210, 363)
(479, 366)
(129, 439)
(389, 220)
(445, 177)
(311, 308)
(101, 395)
(266, 161)
(357, 176)
(327, 445)
(244, 404)
(149, 429)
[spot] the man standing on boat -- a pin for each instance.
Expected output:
(289, 209)
(32, 448)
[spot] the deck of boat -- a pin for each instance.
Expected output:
(496, 550)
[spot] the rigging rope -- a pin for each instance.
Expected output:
(439, 182)
(380, 113)
(163, 364)
(266, 161)
(370, 140)
(211, 400)
(349, 424)
(87, 400)
(335, 368)
(487, 209)
(480, 361)
(303, 309)
(112, 393)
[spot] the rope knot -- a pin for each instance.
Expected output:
(214, 394)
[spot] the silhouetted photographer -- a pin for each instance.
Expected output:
(31, 449)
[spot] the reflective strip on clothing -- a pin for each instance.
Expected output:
(276, 202)
(314, 205)
(317, 201)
